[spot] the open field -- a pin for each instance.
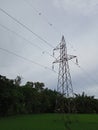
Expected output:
(49, 122)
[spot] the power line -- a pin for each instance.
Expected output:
(26, 59)
(13, 32)
(86, 73)
(23, 25)
(27, 28)
(29, 42)
(6, 28)
(45, 18)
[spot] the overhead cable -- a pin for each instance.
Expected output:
(26, 27)
(45, 18)
(86, 73)
(13, 32)
(26, 59)
(39, 13)
(29, 42)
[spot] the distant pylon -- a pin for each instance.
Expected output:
(64, 86)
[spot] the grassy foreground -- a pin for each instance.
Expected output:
(49, 122)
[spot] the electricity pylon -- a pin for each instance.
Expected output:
(64, 86)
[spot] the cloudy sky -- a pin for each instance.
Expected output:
(46, 22)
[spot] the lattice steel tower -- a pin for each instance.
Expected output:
(64, 86)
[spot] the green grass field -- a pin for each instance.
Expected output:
(49, 122)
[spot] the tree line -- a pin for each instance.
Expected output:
(34, 97)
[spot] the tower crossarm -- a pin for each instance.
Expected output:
(69, 57)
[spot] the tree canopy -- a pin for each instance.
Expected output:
(34, 97)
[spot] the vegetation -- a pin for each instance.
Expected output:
(34, 98)
(49, 122)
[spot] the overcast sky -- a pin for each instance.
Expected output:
(77, 20)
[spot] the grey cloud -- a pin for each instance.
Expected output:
(77, 20)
